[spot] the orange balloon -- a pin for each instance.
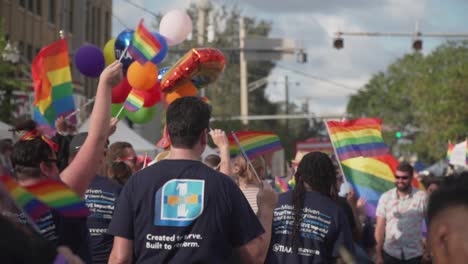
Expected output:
(142, 77)
(186, 89)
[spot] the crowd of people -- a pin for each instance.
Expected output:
(184, 209)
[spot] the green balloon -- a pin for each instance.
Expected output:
(115, 108)
(142, 116)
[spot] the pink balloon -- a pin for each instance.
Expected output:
(175, 26)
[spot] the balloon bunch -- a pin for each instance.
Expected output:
(144, 85)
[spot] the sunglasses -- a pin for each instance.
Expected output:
(132, 159)
(401, 177)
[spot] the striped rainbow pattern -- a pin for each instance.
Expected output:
(144, 46)
(450, 150)
(59, 197)
(254, 143)
(53, 95)
(30, 204)
(466, 152)
(280, 185)
(134, 101)
(355, 138)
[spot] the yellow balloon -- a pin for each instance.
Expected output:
(109, 51)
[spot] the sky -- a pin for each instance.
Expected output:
(330, 76)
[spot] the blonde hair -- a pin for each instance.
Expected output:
(241, 169)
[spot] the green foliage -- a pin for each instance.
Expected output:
(421, 93)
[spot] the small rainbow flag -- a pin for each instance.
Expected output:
(450, 150)
(134, 101)
(144, 46)
(255, 143)
(357, 138)
(58, 196)
(466, 152)
(30, 204)
(280, 185)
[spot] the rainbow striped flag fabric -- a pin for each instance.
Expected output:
(357, 138)
(254, 143)
(450, 147)
(134, 101)
(144, 46)
(280, 185)
(25, 200)
(53, 88)
(58, 196)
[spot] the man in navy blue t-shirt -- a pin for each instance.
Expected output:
(181, 211)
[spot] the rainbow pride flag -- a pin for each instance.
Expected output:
(450, 147)
(280, 185)
(58, 196)
(30, 204)
(355, 138)
(53, 88)
(134, 101)
(144, 46)
(254, 143)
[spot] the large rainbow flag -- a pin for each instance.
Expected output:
(53, 88)
(144, 46)
(254, 143)
(357, 138)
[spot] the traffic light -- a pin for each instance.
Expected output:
(417, 44)
(338, 43)
(301, 57)
(398, 134)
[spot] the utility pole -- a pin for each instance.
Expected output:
(244, 93)
(201, 29)
(286, 97)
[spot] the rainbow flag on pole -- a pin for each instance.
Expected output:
(357, 138)
(59, 197)
(25, 200)
(134, 101)
(144, 46)
(53, 88)
(255, 143)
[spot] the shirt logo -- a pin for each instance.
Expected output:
(179, 202)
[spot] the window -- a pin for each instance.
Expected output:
(106, 29)
(29, 52)
(22, 3)
(30, 5)
(70, 16)
(39, 7)
(52, 11)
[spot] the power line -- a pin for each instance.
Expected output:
(142, 8)
(337, 84)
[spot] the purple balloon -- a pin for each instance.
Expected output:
(89, 60)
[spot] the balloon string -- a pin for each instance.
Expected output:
(120, 111)
(123, 53)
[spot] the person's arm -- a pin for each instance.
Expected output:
(84, 166)
(379, 238)
(352, 201)
(121, 251)
(221, 141)
(256, 250)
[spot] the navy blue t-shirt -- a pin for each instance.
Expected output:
(323, 230)
(101, 198)
(182, 211)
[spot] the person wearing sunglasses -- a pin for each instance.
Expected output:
(400, 214)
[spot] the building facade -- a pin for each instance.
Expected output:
(30, 25)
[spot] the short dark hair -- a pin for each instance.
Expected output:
(27, 155)
(406, 167)
(452, 193)
(186, 119)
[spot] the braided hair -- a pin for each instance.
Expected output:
(316, 170)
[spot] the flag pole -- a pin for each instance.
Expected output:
(78, 109)
(123, 53)
(334, 150)
(245, 156)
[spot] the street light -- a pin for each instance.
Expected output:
(417, 44)
(338, 43)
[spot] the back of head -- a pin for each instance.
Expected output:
(117, 150)
(29, 151)
(186, 118)
(317, 170)
(119, 171)
(242, 170)
(212, 161)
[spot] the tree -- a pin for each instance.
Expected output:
(8, 82)
(422, 96)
